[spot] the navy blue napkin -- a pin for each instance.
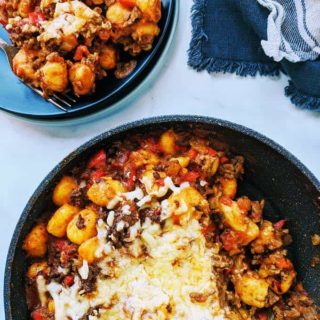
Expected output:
(227, 38)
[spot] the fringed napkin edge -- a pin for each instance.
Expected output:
(199, 62)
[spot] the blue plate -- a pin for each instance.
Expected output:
(19, 100)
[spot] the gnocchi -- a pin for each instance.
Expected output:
(238, 221)
(57, 225)
(82, 79)
(54, 76)
(108, 57)
(63, 190)
(87, 250)
(82, 227)
(168, 142)
(22, 65)
(186, 204)
(102, 192)
(35, 243)
(252, 290)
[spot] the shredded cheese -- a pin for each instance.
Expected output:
(84, 270)
(175, 265)
(41, 287)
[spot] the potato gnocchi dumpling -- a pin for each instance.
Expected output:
(63, 190)
(23, 65)
(57, 225)
(54, 76)
(35, 244)
(153, 227)
(252, 290)
(104, 191)
(118, 14)
(82, 78)
(94, 39)
(87, 250)
(108, 57)
(82, 227)
(25, 7)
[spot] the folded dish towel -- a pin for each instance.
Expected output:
(266, 37)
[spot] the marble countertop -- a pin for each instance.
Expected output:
(28, 152)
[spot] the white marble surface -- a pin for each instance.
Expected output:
(29, 152)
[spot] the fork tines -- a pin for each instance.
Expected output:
(62, 101)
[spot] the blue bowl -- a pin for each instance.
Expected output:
(19, 100)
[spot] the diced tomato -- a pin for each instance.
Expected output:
(191, 176)
(244, 204)
(224, 160)
(68, 280)
(4, 23)
(98, 160)
(97, 174)
(104, 35)
(208, 229)
(128, 3)
(60, 244)
(153, 145)
(229, 240)
(212, 152)
(176, 219)
(37, 315)
(242, 237)
(121, 159)
(227, 271)
(160, 182)
(131, 173)
(180, 148)
(226, 201)
(67, 250)
(192, 154)
(284, 263)
(81, 51)
(262, 316)
(279, 225)
(36, 17)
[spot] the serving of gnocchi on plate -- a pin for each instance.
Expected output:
(69, 45)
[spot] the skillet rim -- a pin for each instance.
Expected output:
(238, 129)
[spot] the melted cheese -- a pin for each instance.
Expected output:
(104, 247)
(160, 191)
(177, 264)
(135, 194)
(69, 18)
(41, 287)
(77, 8)
(66, 24)
(84, 270)
(67, 301)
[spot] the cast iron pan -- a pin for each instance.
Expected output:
(290, 190)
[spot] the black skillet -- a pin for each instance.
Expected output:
(272, 173)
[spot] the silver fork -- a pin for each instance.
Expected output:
(61, 101)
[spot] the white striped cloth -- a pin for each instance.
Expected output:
(293, 29)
